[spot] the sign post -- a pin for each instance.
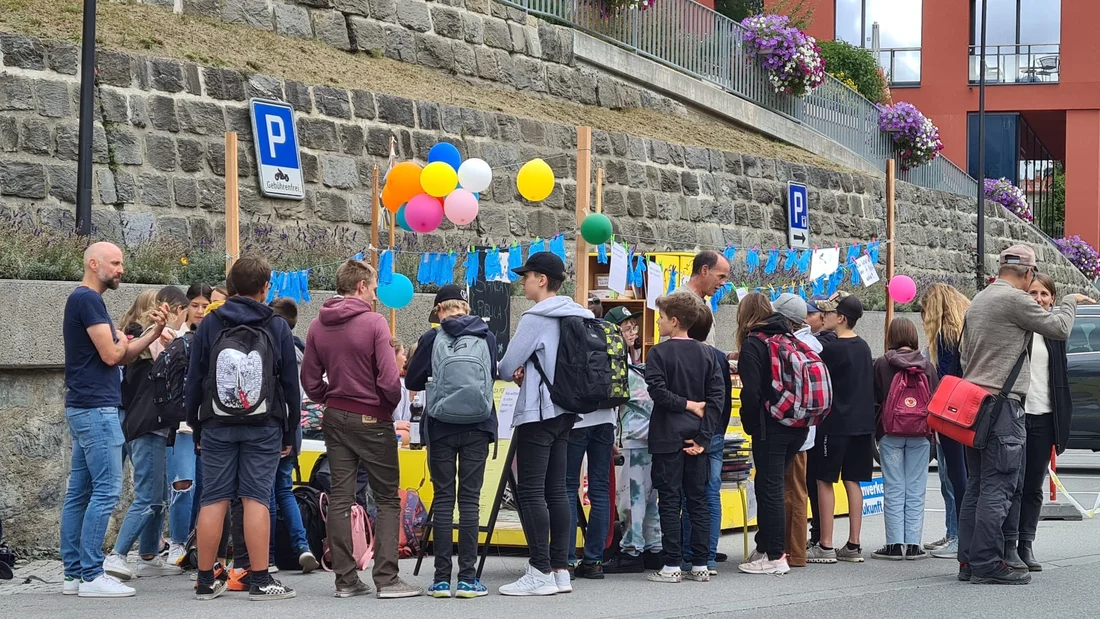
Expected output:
(584, 197)
(890, 191)
(798, 217)
(277, 159)
(232, 203)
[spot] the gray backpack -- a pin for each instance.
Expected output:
(461, 389)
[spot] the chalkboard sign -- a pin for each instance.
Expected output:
(492, 300)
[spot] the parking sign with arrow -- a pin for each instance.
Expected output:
(798, 217)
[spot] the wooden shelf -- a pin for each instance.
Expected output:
(635, 305)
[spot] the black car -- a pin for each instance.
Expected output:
(1083, 353)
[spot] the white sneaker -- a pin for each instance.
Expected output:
(562, 581)
(116, 566)
(106, 586)
(766, 566)
(272, 569)
(533, 582)
(156, 567)
(71, 586)
(176, 553)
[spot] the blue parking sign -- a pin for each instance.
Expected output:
(798, 217)
(276, 139)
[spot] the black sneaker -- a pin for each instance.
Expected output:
(964, 572)
(209, 592)
(890, 552)
(624, 564)
(1001, 574)
(271, 590)
(593, 571)
(914, 552)
(720, 557)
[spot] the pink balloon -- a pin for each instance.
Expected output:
(423, 213)
(902, 289)
(460, 207)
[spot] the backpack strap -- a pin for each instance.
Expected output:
(1013, 375)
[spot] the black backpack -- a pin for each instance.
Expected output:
(169, 376)
(309, 505)
(240, 384)
(591, 369)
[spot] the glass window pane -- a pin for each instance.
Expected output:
(899, 22)
(1040, 21)
(1002, 22)
(848, 21)
(906, 68)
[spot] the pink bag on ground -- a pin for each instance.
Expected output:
(362, 536)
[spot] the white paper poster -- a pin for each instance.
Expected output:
(867, 273)
(619, 265)
(506, 411)
(654, 283)
(741, 294)
(824, 262)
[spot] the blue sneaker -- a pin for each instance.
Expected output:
(471, 589)
(440, 590)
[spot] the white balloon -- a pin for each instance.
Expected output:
(475, 175)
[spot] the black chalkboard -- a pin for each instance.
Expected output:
(492, 300)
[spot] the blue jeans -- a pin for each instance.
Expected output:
(181, 468)
(714, 498)
(95, 482)
(144, 520)
(597, 442)
(288, 505)
(951, 517)
(904, 479)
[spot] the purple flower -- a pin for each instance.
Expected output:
(791, 58)
(1003, 192)
(917, 139)
(1081, 254)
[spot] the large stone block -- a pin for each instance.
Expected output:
(433, 51)
(339, 172)
(167, 75)
(356, 7)
(395, 110)
(155, 191)
(124, 146)
(473, 28)
(384, 10)
(9, 135)
(192, 153)
(318, 134)
(62, 57)
(400, 44)
(414, 15)
(22, 179)
(292, 21)
(332, 101)
(16, 92)
(363, 102)
(224, 84)
(332, 206)
(447, 22)
(53, 98)
(161, 152)
(367, 35)
(201, 118)
(62, 182)
(252, 13)
(22, 52)
(497, 34)
(331, 27)
(37, 137)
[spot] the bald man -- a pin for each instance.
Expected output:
(94, 352)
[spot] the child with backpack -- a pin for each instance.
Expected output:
(904, 383)
(456, 365)
(685, 382)
(244, 406)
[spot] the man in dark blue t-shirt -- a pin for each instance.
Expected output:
(93, 353)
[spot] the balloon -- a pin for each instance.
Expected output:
(535, 180)
(396, 294)
(404, 225)
(596, 228)
(475, 175)
(390, 201)
(423, 213)
(438, 179)
(460, 207)
(902, 288)
(403, 183)
(447, 153)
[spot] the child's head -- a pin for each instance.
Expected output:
(451, 301)
(288, 309)
(679, 312)
(249, 277)
(177, 303)
(700, 331)
(141, 309)
(542, 276)
(752, 310)
(901, 334)
(842, 312)
(220, 293)
(399, 351)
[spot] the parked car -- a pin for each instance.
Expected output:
(1083, 353)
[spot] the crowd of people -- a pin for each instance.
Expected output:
(204, 392)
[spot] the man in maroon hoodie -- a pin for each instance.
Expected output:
(351, 344)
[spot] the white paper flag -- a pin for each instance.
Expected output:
(617, 277)
(824, 262)
(503, 275)
(506, 411)
(654, 283)
(867, 273)
(741, 294)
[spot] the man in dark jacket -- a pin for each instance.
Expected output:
(239, 459)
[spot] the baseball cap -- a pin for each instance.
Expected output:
(812, 305)
(618, 315)
(850, 307)
(451, 292)
(791, 307)
(828, 304)
(1019, 254)
(543, 262)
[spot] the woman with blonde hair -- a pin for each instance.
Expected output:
(942, 311)
(140, 311)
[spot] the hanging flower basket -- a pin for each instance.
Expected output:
(790, 57)
(1003, 192)
(1083, 255)
(917, 139)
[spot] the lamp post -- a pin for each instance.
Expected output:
(87, 104)
(980, 266)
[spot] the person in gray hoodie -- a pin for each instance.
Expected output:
(541, 428)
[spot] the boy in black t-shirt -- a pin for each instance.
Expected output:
(845, 440)
(685, 383)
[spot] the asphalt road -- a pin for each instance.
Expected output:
(1067, 587)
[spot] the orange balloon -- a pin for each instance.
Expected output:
(391, 203)
(403, 182)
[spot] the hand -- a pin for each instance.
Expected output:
(166, 337)
(159, 317)
(1083, 299)
(691, 448)
(733, 356)
(285, 451)
(401, 426)
(696, 408)
(517, 376)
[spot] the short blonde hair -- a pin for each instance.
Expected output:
(351, 273)
(454, 305)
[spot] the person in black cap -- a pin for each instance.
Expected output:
(459, 358)
(845, 444)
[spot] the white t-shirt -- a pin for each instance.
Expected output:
(1038, 394)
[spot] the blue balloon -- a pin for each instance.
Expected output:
(447, 153)
(398, 293)
(401, 223)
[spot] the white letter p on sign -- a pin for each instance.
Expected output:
(275, 137)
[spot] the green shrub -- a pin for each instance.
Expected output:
(858, 65)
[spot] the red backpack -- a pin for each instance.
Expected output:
(413, 519)
(906, 410)
(801, 382)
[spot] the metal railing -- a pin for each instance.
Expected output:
(1017, 64)
(700, 42)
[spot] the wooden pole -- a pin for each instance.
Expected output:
(232, 203)
(599, 189)
(374, 221)
(393, 312)
(584, 195)
(889, 240)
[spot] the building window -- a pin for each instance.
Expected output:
(1022, 41)
(898, 44)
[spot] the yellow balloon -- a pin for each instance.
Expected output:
(438, 179)
(535, 180)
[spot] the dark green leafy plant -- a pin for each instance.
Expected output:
(858, 65)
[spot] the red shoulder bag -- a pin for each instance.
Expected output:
(964, 412)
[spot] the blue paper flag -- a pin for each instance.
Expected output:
(423, 272)
(791, 260)
(832, 287)
(804, 260)
(515, 261)
(492, 262)
(284, 285)
(358, 256)
(752, 260)
(304, 280)
(639, 272)
(855, 276)
(272, 284)
(537, 246)
(872, 249)
(385, 268)
(773, 261)
(557, 246)
(730, 252)
(601, 253)
(671, 281)
(471, 267)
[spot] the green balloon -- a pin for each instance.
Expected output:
(596, 228)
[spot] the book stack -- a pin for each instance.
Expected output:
(736, 460)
